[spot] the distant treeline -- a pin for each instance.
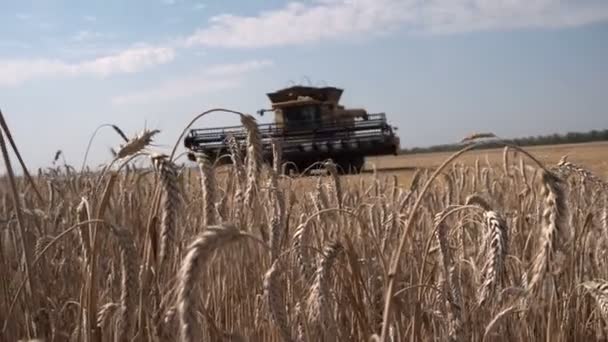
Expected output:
(553, 139)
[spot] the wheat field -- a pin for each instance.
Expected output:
(512, 249)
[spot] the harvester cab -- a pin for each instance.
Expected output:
(311, 126)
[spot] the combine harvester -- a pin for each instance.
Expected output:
(311, 126)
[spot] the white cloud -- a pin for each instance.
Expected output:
(128, 61)
(169, 2)
(442, 17)
(199, 6)
(300, 22)
(14, 72)
(215, 78)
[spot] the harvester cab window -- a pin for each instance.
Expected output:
(302, 116)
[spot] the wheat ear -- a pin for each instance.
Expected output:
(254, 157)
(599, 291)
(208, 186)
(83, 214)
(276, 223)
(277, 202)
(137, 144)
(272, 293)
(105, 313)
(236, 157)
(300, 239)
(555, 232)
(319, 313)
(197, 254)
(128, 287)
(587, 176)
(333, 171)
(494, 267)
(479, 201)
(505, 162)
(170, 202)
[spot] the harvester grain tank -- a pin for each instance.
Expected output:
(312, 126)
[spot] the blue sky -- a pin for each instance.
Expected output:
(440, 69)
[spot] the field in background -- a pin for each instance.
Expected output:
(593, 155)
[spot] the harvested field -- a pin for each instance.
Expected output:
(510, 250)
(593, 155)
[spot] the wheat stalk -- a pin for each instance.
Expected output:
(451, 285)
(605, 215)
(494, 322)
(476, 136)
(120, 132)
(277, 156)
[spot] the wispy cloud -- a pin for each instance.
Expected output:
(199, 6)
(215, 78)
(300, 22)
(14, 72)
